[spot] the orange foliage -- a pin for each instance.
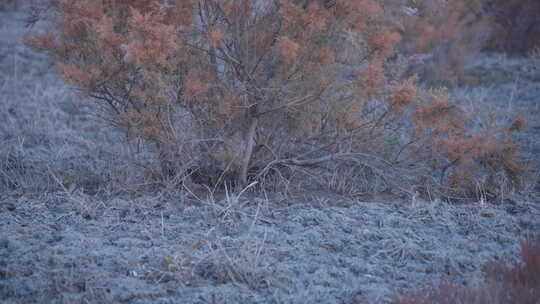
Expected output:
(215, 36)
(288, 48)
(403, 94)
(261, 76)
(451, 32)
(383, 40)
(43, 42)
(465, 152)
(73, 75)
(371, 78)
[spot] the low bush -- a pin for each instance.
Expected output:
(241, 89)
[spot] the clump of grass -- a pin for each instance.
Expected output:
(504, 283)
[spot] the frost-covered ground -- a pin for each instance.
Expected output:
(75, 248)
(62, 241)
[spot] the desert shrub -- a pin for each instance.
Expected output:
(443, 37)
(517, 283)
(467, 161)
(516, 24)
(245, 88)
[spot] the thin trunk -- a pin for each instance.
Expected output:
(165, 160)
(250, 138)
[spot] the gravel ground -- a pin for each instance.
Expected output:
(70, 245)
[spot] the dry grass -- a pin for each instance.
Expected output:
(237, 248)
(516, 283)
(82, 224)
